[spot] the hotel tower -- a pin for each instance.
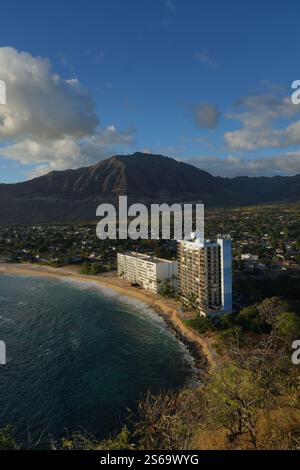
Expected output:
(205, 273)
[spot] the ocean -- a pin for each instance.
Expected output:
(78, 356)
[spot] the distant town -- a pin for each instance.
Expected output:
(265, 248)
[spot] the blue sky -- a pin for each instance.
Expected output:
(205, 82)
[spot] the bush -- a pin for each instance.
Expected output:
(7, 440)
(78, 441)
(249, 319)
(202, 324)
(225, 321)
(271, 308)
(287, 326)
(91, 269)
(232, 336)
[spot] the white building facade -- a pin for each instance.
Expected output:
(147, 271)
(205, 273)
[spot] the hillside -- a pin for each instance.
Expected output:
(75, 194)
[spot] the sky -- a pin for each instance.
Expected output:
(207, 83)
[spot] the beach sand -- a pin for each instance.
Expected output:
(169, 309)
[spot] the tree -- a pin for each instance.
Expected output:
(7, 440)
(166, 289)
(269, 309)
(249, 319)
(192, 304)
(287, 326)
(236, 400)
(169, 420)
(91, 268)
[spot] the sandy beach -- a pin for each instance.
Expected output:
(169, 309)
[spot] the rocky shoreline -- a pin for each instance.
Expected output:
(200, 361)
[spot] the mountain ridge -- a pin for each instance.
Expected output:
(75, 194)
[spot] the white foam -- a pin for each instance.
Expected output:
(139, 306)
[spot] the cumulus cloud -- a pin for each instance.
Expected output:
(67, 152)
(49, 121)
(206, 116)
(259, 115)
(40, 103)
(283, 164)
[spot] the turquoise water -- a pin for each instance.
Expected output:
(77, 356)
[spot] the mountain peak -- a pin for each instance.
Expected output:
(143, 177)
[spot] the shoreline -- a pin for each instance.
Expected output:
(199, 347)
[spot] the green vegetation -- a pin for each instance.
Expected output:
(251, 401)
(167, 289)
(201, 324)
(79, 441)
(91, 268)
(230, 405)
(270, 315)
(7, 440)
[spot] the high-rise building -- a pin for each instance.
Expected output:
(205, 274)
(147, 271)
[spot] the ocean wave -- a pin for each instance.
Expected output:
(6, 319)
(140, 307)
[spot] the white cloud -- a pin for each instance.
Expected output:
(48, 121)
(283, 164)
(39, 103)
(67, 152)
(30, 151)
(258, 115)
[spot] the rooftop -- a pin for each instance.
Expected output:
(148, 258)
